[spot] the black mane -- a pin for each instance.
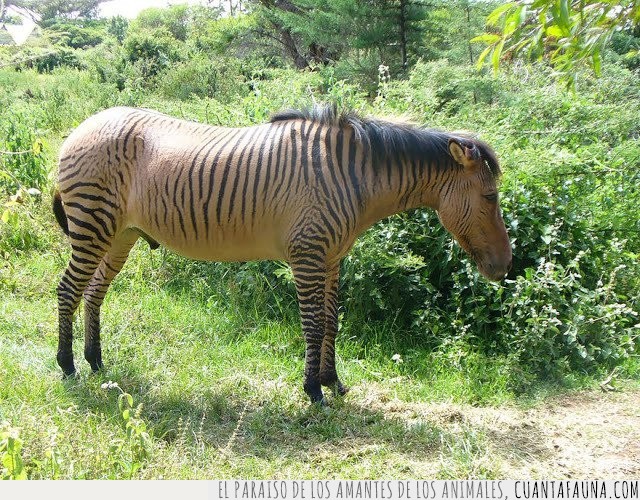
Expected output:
(385, 139)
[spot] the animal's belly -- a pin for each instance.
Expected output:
(223, 245)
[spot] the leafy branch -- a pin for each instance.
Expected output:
(567, 33)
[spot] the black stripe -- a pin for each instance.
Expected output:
(92, 213)
(225, 172)
(256, 183)
(284, 165)
(178, 207)
(212, 173)
(214, 142)
(144, 118)
(88, 227)
(71, 166)
(83, 250)
(316, 160)
(192, 208)
(108, 214)
(336, 184)
(293, 163)
(355, 182)
(266, 139)
(278, 135)
(240, 168)
(77, 270)
(87, 196)
(303, 155)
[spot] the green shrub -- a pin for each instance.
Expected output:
(203, 77)
(22, 161)
(11, 453)
(152, 52)
(45, 61)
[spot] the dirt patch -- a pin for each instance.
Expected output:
(580, 435)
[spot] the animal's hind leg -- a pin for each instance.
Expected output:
(328, 373)
(95, 292)
(85, 258)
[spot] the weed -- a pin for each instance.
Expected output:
(11, 453)
(129, 454)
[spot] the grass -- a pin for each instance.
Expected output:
(217, 388)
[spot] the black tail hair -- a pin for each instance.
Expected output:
(58, 210)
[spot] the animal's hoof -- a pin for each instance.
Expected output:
(321, 403)
(339, 389)
(70, 376)
(318, 399)
(96, 367)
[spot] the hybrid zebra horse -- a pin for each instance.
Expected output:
(300, 188)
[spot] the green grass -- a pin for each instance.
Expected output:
(218, 389)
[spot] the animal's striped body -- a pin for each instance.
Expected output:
(300, 189)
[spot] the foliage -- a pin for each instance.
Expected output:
(77, 34)
(568, 33)
(46, 11)
(201, 76)
(60, 57)
(22, 161)
(11, 453)
(318, 32)
(174, 20)
(118, 27)
(129, 453)
(151, 51)
(219, 36)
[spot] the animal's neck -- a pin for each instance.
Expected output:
(399, 186)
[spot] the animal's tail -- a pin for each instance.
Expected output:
(58, 210)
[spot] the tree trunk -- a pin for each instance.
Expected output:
(291, 49)
(467, 9)
(403, 32)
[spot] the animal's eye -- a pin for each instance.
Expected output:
(491, 197)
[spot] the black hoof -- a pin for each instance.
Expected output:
(96, 366)
(322, 402)
(70, 376)
(339, 389)
(65, 361)
(315, 395)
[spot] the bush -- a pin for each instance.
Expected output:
(22, 161)
(46, 61)
(77, 34)
(203, 77)
(151, 51)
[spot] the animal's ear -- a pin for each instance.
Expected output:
(464, 152)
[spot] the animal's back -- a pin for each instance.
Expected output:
(205, 192)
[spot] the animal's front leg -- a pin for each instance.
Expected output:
(310, 278)
(328, 373)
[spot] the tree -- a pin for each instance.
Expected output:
(568, 33)
(44, 11)
(118, 26)
(322, 31)
(174, 19)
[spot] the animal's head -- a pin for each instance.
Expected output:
(468, 208)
